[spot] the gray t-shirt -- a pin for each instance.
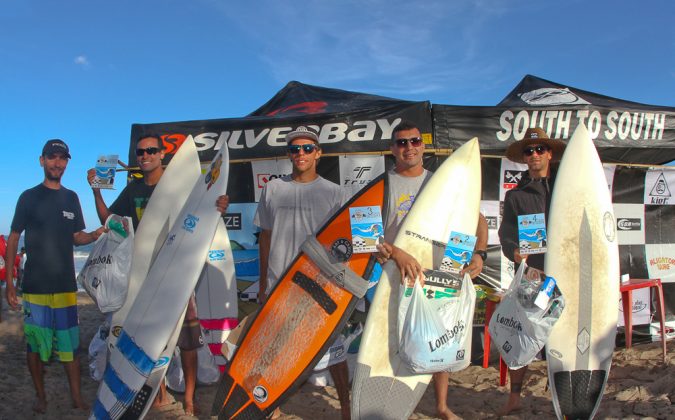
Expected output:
(402, 193)
(292, 211)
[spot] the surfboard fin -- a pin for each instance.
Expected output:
(335, 271)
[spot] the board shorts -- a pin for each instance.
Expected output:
(50, 325)
(190, 336)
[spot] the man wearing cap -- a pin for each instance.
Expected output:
(532, 195)
(405, 181)
(131, 203)
(290, 209)
(52, 218)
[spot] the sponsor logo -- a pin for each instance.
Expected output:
(660, 192)
(629, 224)
(260, 393)
(214, 172)
(68, 215)
(609, 226)
(511, 178)
(232, 221)
(172, 142)
(442, 279)
(359, 176)
(170, 239)
(101, 259)
(555, 353)
(163, 361)
(552, 96)
(509, 322)
(265, 178)
(342, 249)
(583, 341)
(460, 355)
(116, 330)
(333, 132)
(304, 107)
(662, 263)
(95, 283)
(450, 334)
(433, 242)
(190, 223)
(638, 305)
(216, 255)
(507, 346)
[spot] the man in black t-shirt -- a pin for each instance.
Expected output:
(51, 217)
(132, 202)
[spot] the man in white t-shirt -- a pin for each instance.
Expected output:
(406, 180)
(290, 209)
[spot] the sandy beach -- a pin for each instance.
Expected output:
(640, 385)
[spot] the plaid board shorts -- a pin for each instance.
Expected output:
(50, 325)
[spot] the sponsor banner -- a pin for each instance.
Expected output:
(239, 224)
(609, 174)
(358, 170)
(361, 130)
(659, 187)
(630, 222)
(641, 308)
(490, 209)
(267, 170)
(661, 262)
(510, 174)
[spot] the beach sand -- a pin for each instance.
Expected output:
(640, 385)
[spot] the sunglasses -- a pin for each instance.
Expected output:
(414, 142)
(540, 150)
(294, 149)
(148, 150)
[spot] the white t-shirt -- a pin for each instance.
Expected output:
(292, 211)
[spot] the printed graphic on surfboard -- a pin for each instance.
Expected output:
(300, 320)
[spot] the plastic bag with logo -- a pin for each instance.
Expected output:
(435, 326)
(522, 322)
(98, 352)
(105, 275)
(208, 372)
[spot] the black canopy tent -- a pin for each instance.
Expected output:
(623, 131)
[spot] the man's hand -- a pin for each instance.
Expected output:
(91, 174)
(474, 268)
(517, 258)
(12, 300)
(410, 269)
(222, 202)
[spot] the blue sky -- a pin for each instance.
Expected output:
(85, 70)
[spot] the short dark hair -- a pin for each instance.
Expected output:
(404, 125)
(160, 143)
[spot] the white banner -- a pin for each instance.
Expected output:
(630, 223)
(490, 209)
(358, 170)
(641, 308)
(510, 174)
(659, 187)
(266, 170)
(661, 262)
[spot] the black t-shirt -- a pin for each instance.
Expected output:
(49, 218)
(132, 200)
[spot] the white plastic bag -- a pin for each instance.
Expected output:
(435, 327)
(105, 275)
(98, 352)
(518, 327)
(208, 372)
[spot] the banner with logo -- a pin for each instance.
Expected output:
(267, 170)
(357, 171)
(623, 131)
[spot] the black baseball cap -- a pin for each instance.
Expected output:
(56, 146)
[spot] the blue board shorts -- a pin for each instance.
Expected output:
(50, 325)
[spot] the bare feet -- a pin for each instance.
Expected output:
(513, 404)
(276, 413)
(40, 406)
(446, 414)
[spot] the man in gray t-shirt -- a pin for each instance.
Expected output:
(290, 209)
(406, 180)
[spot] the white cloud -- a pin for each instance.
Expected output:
(393, 46)
(83, 61)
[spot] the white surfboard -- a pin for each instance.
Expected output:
(159, 215)
(164, 294)
(216, 294)
(583, 258)
(384, 387)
